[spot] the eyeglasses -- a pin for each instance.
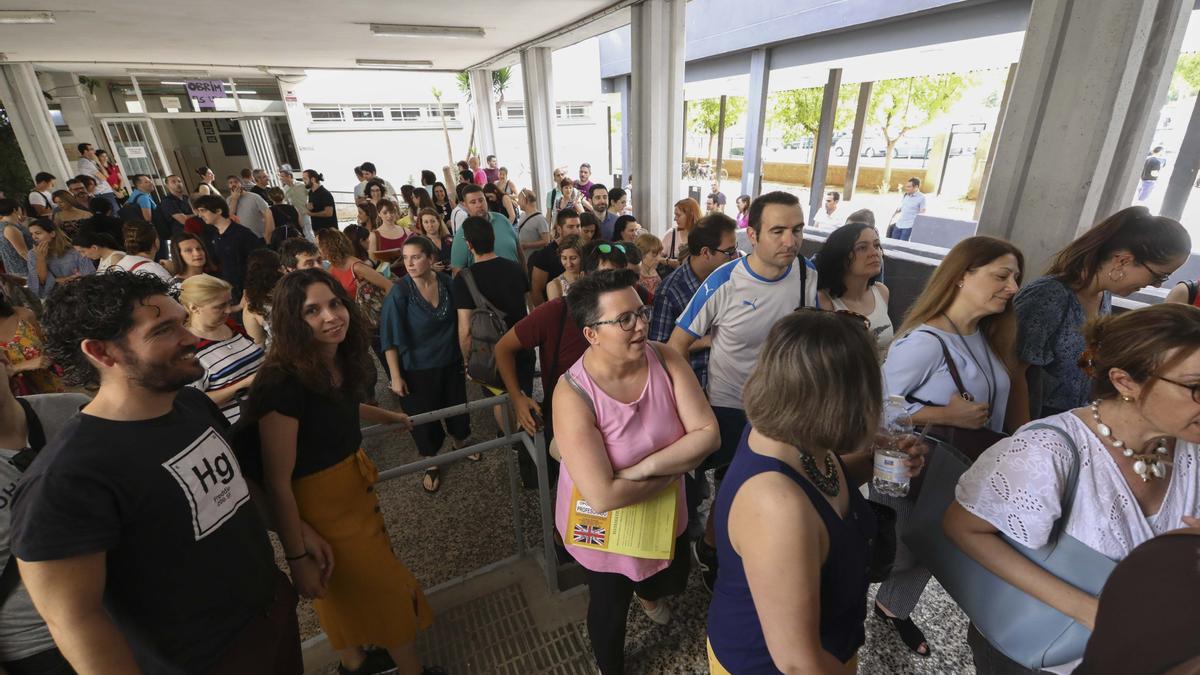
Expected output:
(627, 321)
(866, 323)
(1159, 278)
(1194, 388)
(731, 252)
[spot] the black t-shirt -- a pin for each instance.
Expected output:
(321, 199)
(1151, 168)
(188, 561)
(329, 423)
(261, 192)
(231, 250)
(99, 224)
(546, 258)
(502, 282)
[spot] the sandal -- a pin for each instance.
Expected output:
(431, 482)
(912, 636)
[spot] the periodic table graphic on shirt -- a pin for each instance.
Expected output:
(211, 481)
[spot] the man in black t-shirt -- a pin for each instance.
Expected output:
(134, 527)
(1153, 166)
(320, 207)
(545, 264)
(231, 243)
(501, 282)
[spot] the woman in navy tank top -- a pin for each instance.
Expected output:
(794, 533)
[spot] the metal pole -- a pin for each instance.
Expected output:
(514, 481)
(608, 132)
(860, 125)
(945, 158)
(537, 448)
(685, 134)
(720, 140)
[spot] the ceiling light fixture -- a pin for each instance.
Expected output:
(398, 30)
(16, 16)
(390, 64)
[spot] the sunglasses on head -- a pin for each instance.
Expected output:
(866, 323)
(608, 248)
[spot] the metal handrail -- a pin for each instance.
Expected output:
(536, 448)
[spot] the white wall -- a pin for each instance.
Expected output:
(401, 154)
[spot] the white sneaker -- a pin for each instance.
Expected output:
(661, 614)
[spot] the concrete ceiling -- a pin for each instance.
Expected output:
(104, 37)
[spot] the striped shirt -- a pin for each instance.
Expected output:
(227, 362)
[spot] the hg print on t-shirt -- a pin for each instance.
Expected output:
(211, 480)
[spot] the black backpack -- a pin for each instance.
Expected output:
(130, 211)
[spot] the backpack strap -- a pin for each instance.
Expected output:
(480, 301)
(1193, 289)
(137, 265)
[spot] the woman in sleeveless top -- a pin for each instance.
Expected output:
(687, 212)
(387, 241)
(794, 533)
(630, 421)
(848, 270)
(569, 254)
(207, 185)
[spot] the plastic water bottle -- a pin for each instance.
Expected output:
(891, 475)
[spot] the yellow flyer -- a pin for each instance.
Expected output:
(644, 530)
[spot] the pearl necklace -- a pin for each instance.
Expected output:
(1145, 466)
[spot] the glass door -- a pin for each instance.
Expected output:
(137, 148)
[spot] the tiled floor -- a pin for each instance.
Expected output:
(467, 525)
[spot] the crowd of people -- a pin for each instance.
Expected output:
(230, 339)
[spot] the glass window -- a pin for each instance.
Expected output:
(325, 115)
(514, 111)
(407, 113)
(366, 114)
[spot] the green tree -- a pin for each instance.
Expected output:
(704, 116)
(797, 112)
(1185, 81)
(501, 77)
(901, 105)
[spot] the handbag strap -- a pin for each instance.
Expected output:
(1068, 498)
(958, 383)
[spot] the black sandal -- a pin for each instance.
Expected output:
(435, 480)
(912, 636)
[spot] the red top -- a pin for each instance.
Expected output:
(388, 243)
(549, 328)
(346, 278)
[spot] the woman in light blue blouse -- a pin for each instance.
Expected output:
(965, 312)
(53, 260)
(1126, 252)
(418, 331)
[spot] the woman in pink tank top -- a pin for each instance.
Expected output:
(630, 422)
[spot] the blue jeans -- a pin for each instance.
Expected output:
(902, 233)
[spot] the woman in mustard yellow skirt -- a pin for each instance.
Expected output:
(307, 399)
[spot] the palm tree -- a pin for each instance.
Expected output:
(500, 81)
(437, 96)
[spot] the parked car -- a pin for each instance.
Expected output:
(915, 147)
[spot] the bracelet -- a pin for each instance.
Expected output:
(294, 558)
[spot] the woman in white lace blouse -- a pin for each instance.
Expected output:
(1139, 473)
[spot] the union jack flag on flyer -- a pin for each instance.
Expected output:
(589, 534)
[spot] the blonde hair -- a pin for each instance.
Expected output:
(648, 244)
(419, 225)
(690, 209)
(201, 290)
(941, 289)
(792, 373)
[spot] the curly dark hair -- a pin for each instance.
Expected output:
(292, 350)
(73, 315)
(262, 274)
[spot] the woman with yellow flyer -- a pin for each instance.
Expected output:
(633, 420)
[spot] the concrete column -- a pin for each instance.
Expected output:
(483, 107)
(860, 125)
(657, 110)
(627, 158)
(30, 118)
(537, 75)
(824, 141)
(756, 121)
(991, 157)
(1187, 165)
(1084, 105)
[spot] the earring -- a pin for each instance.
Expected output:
(1116, 279)
(960, 284)
(1127, 399)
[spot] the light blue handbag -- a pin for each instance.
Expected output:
(1022, 627)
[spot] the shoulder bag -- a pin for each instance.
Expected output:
(1024, 628)
(970, 442)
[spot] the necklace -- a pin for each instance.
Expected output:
(1145, 466)
(827, 481)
